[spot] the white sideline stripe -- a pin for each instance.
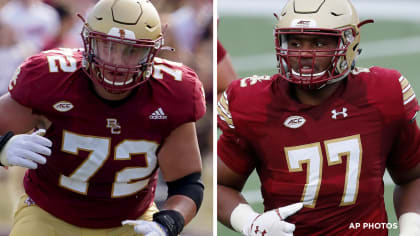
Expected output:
(370, 50)
(254, 196)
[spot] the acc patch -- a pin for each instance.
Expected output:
(63, 106)
(294, 122)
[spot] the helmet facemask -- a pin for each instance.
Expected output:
(121, 39)
(117, 60)
(317, 18)
(300, 66)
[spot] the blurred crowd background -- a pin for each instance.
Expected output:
(31, 26)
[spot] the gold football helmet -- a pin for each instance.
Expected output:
(324, 18)
(121, 38)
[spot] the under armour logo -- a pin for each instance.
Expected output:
(335, 113)
(113, 124)
(257, 231)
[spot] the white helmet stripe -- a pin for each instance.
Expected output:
(123, 33)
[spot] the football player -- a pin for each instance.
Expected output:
(320, 134)
(106, 118)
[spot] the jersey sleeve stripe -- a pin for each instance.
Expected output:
(401, 79)
(224, 105)
(227, 122)
(225, 97)
(224, 115)
(409, 99)
(407, 90)
(223, 111)
(225, 118)
(408, 94)
(404, 82)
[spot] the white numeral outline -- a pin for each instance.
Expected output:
(124, 184)
(253, 80)
(128, 181)
(350, 147)
(158, 68)
(311, 155)
(336, 149)
(66, 61)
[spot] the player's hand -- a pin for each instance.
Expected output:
(26, 150)
(272, 223)
(147, 228)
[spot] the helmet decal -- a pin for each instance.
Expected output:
(122, 33)
(302, 23)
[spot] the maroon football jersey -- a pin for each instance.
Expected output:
(103, 164)
(331, 157)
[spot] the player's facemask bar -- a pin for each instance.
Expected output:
(342, 57)
(117, 63)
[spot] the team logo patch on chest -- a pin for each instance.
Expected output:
(63, 106)
(113, 125)
(294, 122)
(339, 114)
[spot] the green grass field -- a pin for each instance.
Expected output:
(385, 43)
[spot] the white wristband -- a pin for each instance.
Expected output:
(241, 217)
(409, 224)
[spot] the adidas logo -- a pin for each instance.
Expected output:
(158, 115)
